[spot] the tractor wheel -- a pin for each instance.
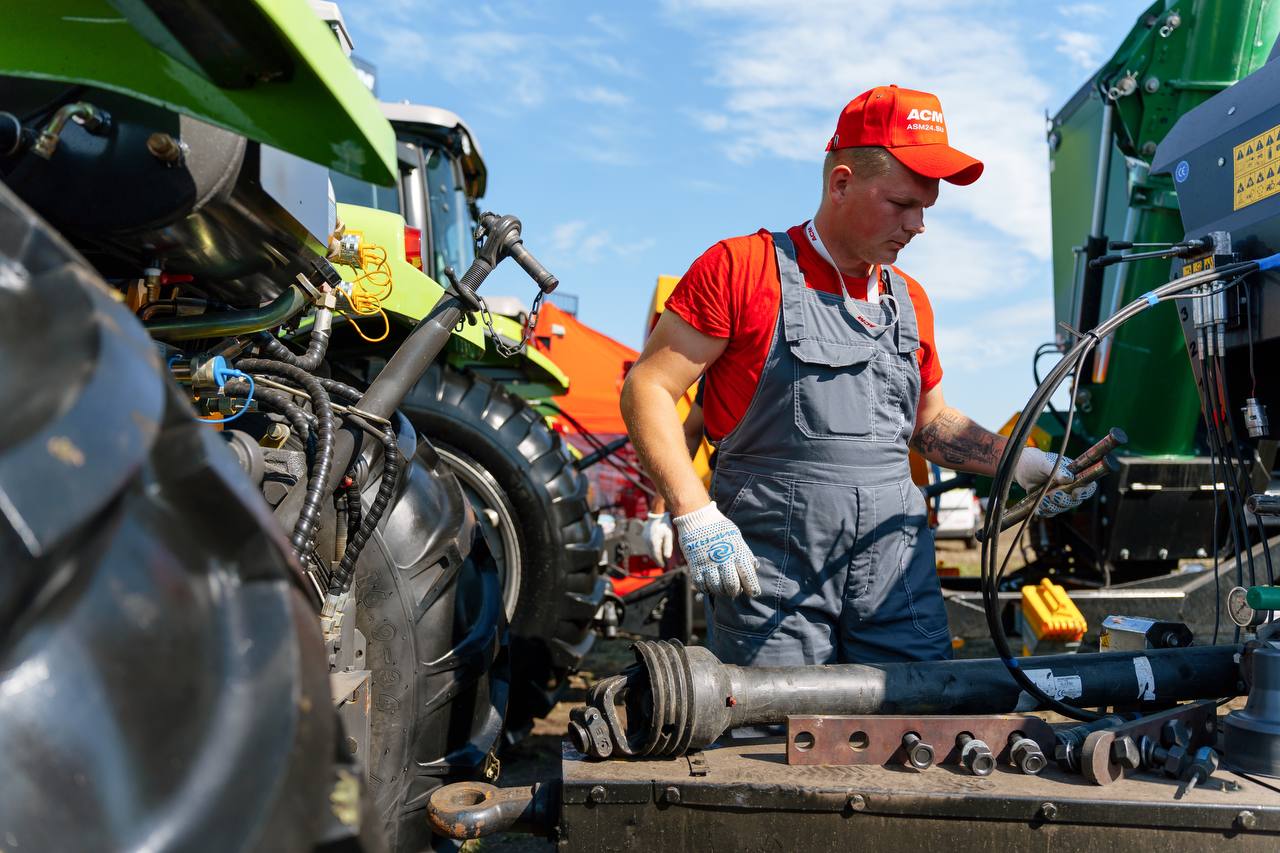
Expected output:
(532, 507)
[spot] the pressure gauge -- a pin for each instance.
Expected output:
(1240, 611)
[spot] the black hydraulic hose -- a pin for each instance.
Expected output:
(308, 361)
(1003, 478)
(391, 466)
(1218, 447)
(304, 529)
(354, 511)
(1239, 474)
(302, 421)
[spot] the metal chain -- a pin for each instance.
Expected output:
(504, 349)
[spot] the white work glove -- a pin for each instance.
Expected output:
(720, 563)
(659, 537)
(1035, 466)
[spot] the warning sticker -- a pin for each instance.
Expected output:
(1187, 269)
(1257, 168)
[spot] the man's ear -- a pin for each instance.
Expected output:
(838, 183)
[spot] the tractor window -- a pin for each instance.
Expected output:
(349, 190)
(450, 224)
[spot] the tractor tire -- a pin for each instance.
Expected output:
(430, 610)
(521, 479)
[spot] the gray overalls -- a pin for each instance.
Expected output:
(816, 477)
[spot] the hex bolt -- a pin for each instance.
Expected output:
(1172, 761)
(1247, 820)
(857, 802)
(596, 794)
(671, 795)
(975, 755)
(919, 753)
(1125, 752)
(1175, 733)
(1048, 811)
(1026, 754)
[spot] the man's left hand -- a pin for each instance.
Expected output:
(1035, 467)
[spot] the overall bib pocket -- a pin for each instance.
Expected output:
(845, 391)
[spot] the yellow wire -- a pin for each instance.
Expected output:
(371, 286)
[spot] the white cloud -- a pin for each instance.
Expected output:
(1084, 11)
(601, 95)
(577, 243)
(785, 76)
(1002, 336)
(1083, 49)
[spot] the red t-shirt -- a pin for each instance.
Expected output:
(732, 291)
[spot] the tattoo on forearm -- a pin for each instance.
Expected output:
(956, 439)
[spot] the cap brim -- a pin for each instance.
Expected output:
(939, 161)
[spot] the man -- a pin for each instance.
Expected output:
(820, 370)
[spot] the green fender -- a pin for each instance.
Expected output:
(316, 108)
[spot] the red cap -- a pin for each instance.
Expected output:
(909, 124)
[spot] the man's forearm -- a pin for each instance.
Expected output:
(953, 440)
(659, 440)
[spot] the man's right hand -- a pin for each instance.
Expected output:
(720, 563)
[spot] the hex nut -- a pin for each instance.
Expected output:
(1048, 811)
(857, 802)
(1175, 733)
(1247, 820)
(1126, 753)
(596, 794)
(671, 795)
(1176, 761)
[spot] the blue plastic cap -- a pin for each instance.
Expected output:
(1270, 262)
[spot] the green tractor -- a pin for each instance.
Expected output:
(1150, 541)
(520, 477)
(247, 605)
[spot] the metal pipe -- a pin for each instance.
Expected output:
(678, 698)
(1104, 170)
(95, 120)
(1016, 513)
(223, 324)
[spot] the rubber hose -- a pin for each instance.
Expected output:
(304, 529)
(308, 361)
(391, 465)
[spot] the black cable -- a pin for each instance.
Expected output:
(1235, 501)
(304, 529)
(1041, 351)
(1013, 449)
(1240, 475)
(391, 467)
(308, 361)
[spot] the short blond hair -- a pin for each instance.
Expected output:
(869, 161)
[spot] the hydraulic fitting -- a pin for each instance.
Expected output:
(1026, 754)
(1255, 418)
(919, 753)
(95, 120)
(975, 755)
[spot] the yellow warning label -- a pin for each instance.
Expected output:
(1257, 167)
(1192, 267)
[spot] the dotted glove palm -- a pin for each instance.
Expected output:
(659, 537)
(1035, 466)
(720, 563)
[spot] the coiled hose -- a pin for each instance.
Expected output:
(304, 529)
(392, 464)
(316, 349)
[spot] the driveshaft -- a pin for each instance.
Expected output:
(678, 698)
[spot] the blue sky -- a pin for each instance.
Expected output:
(629, 137)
